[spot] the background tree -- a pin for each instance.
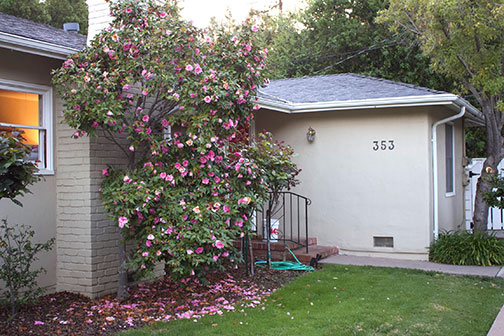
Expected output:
(52, 12)
(464, 40)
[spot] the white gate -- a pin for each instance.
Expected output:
(495, 215)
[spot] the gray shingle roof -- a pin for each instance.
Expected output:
(40, 32)
(339, 87)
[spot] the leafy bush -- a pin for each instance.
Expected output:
(16, 174)
(465, 248)
(17, 254)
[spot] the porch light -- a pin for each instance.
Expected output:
(310, 135)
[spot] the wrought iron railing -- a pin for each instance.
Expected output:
(289, 219)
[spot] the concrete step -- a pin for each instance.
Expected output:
(300, 253)
(259, 244)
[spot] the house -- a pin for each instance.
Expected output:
(385, 167)
(369, 169)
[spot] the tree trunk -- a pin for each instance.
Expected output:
(122, 277)
(495, 153)
(251, 255)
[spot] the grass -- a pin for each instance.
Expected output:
(352, 300)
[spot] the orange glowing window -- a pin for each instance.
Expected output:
(21, 108)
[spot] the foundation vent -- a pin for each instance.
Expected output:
(383, 241)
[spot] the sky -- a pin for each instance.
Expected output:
(200, 11)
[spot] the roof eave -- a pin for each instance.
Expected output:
(448, 99)
(35, 47)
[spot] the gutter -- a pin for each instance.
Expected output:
(450, 100)
(35, 47)
(435, 167)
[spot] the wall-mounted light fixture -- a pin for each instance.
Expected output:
(310, 135)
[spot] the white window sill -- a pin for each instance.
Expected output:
(45, 172)
(451, 194)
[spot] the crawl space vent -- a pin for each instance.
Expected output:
(383, 241)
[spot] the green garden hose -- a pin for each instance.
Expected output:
(286, 265)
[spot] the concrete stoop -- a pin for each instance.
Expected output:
(279, 251)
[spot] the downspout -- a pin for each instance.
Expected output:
(435, 167)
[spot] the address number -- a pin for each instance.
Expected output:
(383, 145)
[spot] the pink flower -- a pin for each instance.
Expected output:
(196, 209)
(148, 243)
(225, 254)
(189, 67)
(215, 257)
(205, 180)
(145, 118)
(145, 92)
(122, 221)
(162, 15)
(126, 87)
(132, 148)
(150, 237)
(158, 253)
(219, 244)
(189, 251)
(207, 99)
(169, 177)
(128, 10)
(199, 250)
(145, 254)
(39, 323)
(105, 172)
(162, 175)
(254, 28)
(225, 208)
(165, 123)
(197, 69)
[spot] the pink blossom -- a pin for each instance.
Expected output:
(145, 92)
(39, 323)
(105, 172)
(197, 210)
(145, 254)
(225, 254)
(162, 15)
(122, 221)
(145, 118)
(165, 123)
(205, 181)
(215, 257)
(207, 99)
(189, 67)
(199, 250)
(169, 177)
(132, 148)
(128, 10)
(225, 208)
(158, 253)
(148, 243)
(197, 69)
(162, 175)
(189, 251)
(109, 113)
(219, 244)
(126, 87)
(150, 237)
(254, 28)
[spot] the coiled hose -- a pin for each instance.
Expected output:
(286, 265)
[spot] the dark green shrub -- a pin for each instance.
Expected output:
(465, 248)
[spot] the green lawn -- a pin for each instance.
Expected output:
(352, 300)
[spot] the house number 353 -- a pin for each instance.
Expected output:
(383, 145)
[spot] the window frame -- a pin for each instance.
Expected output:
(450, 193)
(47, 116)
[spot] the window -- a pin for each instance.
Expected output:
(28, 108)
(450, 160)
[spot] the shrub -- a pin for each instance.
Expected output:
(16, 174)
(17, 254)
(465, 248)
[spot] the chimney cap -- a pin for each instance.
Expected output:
(71, 27)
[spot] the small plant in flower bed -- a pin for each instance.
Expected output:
(465, 248)
(164, 300)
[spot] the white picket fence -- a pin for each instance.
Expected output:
(495, 215)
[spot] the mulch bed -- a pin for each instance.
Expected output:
(66, 313)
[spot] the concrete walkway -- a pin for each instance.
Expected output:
(497, 328)
(486, 271)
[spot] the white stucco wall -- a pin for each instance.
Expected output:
(359, 193)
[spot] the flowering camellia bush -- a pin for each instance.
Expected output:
(185, 196)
